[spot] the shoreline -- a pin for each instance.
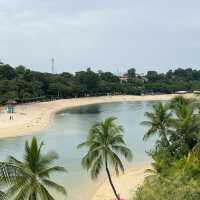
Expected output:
(35, 117)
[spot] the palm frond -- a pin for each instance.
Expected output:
(48, 171)
(96, 167)
(54, 186)
(28, 176)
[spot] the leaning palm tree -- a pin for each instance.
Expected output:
(104, 142)
(159, 120)
(33, 174)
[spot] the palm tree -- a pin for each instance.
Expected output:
(178, 101)
(105, 141)
(159, 120)
(186, 128)
(33, 174)
(7, 173)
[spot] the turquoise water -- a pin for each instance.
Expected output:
(70, 128)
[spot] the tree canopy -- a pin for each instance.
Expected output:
(24, 85)
(175, 172)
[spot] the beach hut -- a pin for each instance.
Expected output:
(10, 106)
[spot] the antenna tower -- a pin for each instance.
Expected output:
(52, 65)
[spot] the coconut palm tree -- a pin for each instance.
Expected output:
(7, 173)
(33, 174)
(186, 129)
(179, 101)
(159, 120)
(105, 142)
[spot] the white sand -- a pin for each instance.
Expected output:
(125, 184)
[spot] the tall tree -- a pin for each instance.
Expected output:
(152, 76)
(186, 127)
(178, 101)
(104, 142)
(34, 172)
(7, 72)
(131, 74)
(159, 120)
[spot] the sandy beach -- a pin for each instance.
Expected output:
(126, 184)
(33, 117)
(29, 118)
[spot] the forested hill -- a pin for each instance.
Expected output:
(25, 85)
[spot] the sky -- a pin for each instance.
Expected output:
(111, 35)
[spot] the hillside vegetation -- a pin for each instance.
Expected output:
(176, 154)
(25, 85)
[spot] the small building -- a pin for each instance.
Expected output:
(123, 78)
(10, 106)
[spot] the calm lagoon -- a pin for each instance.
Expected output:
(70, 127)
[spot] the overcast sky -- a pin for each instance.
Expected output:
(110, 35)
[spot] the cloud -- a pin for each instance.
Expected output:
(102, 34)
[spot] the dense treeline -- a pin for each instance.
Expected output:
(25, 85)
(176, 154)
(172, 81)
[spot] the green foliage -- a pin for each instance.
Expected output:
(105, 145)
(160, 188)
(104, 142)
(25, 85)
(177, 165)
(159, 121)
(30, 178)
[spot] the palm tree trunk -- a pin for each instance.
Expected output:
(34, 196)
(110, 180)
(163, 133)
(167, 141)
(168, 145)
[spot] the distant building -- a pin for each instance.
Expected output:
(123, 78)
